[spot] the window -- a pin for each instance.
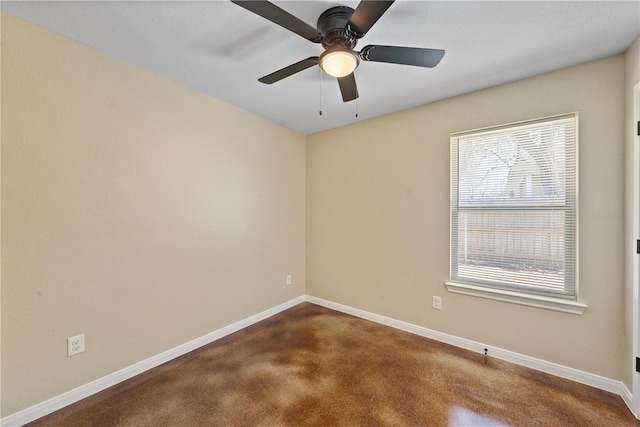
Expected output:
(514, 213)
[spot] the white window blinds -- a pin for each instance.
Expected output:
(514, 207)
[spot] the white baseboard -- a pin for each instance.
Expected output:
(627, 396)
(576, 375)
(41, 409)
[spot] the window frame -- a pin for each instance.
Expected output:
(514, 294)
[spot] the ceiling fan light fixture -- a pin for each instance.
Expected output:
(338, 62)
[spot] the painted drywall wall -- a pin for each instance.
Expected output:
(378, 217)
(134, 210)
(632, 78)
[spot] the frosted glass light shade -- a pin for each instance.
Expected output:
(338, 63)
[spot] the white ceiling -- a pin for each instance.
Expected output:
(221, 49)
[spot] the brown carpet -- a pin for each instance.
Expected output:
(311, 366)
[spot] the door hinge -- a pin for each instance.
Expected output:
(639, 128)
(637, 364)
(638, 246)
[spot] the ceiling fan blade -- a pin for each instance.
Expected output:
(348, 87)
(290, 70)
(281, 17)
(402, 55)
(366, 14)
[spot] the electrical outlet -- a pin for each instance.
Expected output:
(437, 303)
(288, 279)
(75, 345)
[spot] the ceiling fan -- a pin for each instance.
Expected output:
(338, 30)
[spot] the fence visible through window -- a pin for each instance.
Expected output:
(512, 246)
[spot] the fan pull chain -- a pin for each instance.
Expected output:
(320, 90)
(354, 73)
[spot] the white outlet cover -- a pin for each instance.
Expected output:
(75, 345)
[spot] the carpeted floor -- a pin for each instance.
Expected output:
(311, 366)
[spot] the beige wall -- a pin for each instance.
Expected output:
(134, 210)
(378, 217)
(632, 78)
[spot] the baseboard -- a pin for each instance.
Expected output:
(41, 409)
(579, 376)
(627, 396)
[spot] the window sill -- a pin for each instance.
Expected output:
(548, 303)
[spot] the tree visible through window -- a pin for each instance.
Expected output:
(513, 207)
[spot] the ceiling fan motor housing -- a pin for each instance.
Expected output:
(332, 24)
